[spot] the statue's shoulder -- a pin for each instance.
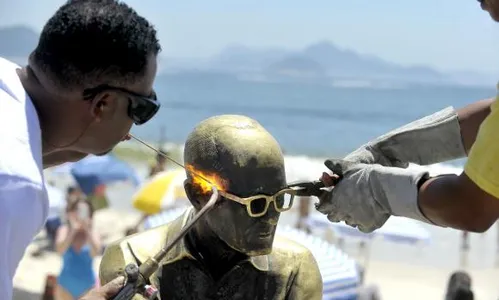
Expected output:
(292, 254)
(283, 244)
(135, 248)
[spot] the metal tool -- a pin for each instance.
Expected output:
(137, 277)
(310, 188)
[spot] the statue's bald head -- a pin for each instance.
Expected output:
(240, 151)
(249, 160)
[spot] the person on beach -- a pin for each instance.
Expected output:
(78, 243)
(159, 165)
(375, 182)
(87, 82)
(53, 224)
(459, 287)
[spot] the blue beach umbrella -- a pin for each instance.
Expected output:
(94, 171)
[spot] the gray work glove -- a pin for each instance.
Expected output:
(368, 194)
(432, 139)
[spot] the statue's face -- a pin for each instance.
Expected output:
(249, 161)
(230, 220)
(232, 223)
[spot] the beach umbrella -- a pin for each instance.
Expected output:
(339, 272)
(160, 192)
(94, 171)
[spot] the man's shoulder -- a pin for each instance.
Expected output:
(21, 151)
(9, 80)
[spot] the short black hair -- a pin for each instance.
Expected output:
(92, 42)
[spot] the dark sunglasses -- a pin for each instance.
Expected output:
(140, 108)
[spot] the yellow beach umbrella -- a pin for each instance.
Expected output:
(160, 192)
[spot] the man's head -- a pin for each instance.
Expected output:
(98, 59)
(492, 6)
(248, 161)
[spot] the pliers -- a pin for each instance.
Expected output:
(308, 188)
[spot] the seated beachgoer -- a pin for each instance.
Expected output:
(232, 252)
(459, 287)
(78, 244)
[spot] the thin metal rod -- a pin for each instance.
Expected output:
(207, 207)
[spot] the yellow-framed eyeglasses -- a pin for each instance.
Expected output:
(258, 205)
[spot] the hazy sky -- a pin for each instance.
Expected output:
(447, 34)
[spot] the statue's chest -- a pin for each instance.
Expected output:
(186, 279)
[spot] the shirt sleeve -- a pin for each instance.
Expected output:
(22, 214)
(482, 166)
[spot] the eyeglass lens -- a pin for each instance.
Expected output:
(282, 202)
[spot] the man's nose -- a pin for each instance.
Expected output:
(272, 215)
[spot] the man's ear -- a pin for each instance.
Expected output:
(192, 194)
(103, 106)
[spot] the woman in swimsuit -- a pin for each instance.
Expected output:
(78, 244)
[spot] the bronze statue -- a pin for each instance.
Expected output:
(231, 253)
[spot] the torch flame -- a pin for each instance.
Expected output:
(205, 180)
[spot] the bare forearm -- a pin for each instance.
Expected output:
(453, 201)
(95, 244)
(470, 119)
(61, 247)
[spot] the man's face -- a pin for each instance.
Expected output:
(230, 220)
(492, 6)
(111, 121)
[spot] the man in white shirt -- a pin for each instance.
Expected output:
(87, 82)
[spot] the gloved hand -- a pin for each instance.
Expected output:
(432, 139)
(368, 194)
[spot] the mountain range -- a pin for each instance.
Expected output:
(322, 62)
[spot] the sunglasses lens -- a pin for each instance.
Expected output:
(258, 206)
(284, 202)
(142, 110)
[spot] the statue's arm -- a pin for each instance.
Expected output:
(113, 264)
(307, 283)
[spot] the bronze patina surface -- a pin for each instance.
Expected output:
(227, 254)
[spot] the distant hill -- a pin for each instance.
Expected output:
(237, 58)
(21, 41)
(323, 59)
(349, 63)
(299, 65)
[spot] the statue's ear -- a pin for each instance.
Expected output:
(193, 194)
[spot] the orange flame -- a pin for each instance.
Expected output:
(206, 181)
